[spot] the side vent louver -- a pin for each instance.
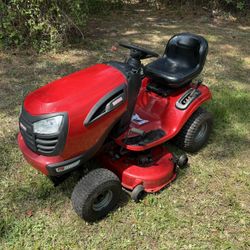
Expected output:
(108, 103)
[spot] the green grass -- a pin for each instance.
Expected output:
(207, 207)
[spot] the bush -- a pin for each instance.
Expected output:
(45, 24)
(48, 24)
(229, 5)
(237, 4)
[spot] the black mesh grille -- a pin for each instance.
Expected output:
(42, 144)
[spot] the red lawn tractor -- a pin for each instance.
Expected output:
(122, 113)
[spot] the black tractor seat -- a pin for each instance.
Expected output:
(183, 60)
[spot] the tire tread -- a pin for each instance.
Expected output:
(185, 138)
(87, 186)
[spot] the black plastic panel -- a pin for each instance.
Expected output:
(106, 104)
(187, 98)
(43, 144)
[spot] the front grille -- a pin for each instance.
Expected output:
(28, 134)
(46, 145)
(42, 144)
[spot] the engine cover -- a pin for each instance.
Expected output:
(93, 99)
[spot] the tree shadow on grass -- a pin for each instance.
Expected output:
(20, 75)
(36, 193)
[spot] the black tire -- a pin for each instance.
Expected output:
(195, 133)
(137, 193)
(96, 194)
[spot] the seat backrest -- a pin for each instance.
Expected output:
(187, 49)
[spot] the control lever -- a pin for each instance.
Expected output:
(137, 131)
(196, 86)
(198, 83)
(189, 96)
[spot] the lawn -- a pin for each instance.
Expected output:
(207, 207)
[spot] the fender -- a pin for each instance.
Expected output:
(163, 114)
(178, 117)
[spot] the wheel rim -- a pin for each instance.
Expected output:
(102, 200)
(202, 132)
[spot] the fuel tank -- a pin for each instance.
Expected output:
(92, 100)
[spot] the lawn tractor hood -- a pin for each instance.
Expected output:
(83, 89)
(72, 116)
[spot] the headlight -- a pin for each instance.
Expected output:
(48, 126)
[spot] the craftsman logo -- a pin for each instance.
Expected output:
(23, 127)
(117, 101)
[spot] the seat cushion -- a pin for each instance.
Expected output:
(183, 60)
(170, 72)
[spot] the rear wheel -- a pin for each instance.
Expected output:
(195, 133)
(96, 194)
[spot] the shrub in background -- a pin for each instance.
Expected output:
(46, 24)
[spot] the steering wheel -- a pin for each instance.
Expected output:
(139, 52)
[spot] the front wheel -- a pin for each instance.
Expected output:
(96, 194)
(195, 133)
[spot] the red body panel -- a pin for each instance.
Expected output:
(161, 113)
(153, 177)
(76, 94)
(35, 160)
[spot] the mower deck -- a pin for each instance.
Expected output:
(153, 169)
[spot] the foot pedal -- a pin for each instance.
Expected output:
(147, 138)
